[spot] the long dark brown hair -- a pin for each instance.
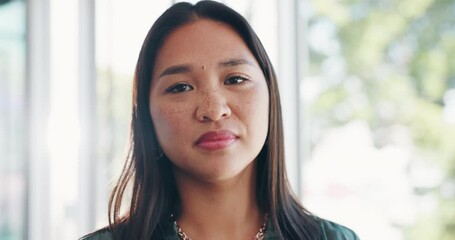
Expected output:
(154, 194)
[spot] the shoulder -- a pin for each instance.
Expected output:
(102, 234)
(169, 232)
(335, 231)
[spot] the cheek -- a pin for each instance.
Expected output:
(253, 110)
(169, 121)
(261, 115)
(257, 105)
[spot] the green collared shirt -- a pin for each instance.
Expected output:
(330, 231)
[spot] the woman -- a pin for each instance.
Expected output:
(207, 153)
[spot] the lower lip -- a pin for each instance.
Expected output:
(217, 144)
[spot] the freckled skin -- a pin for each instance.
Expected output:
(210, 103)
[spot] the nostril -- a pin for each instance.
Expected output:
(213, 107)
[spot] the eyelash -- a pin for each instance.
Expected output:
(184, 87)
(177, 88)
(243, 79)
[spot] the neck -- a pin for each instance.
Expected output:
(224, 209)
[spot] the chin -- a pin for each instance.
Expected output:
(228, 173)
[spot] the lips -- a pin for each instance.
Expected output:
(215, 140)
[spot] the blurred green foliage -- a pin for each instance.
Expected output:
(398, 64)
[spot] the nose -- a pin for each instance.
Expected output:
(213, 106)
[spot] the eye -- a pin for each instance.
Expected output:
(235, 80)
(179, 87)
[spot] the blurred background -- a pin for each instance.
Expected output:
(368, 90)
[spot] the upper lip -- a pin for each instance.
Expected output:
(216, 136)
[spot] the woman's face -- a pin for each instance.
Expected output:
(209, 101)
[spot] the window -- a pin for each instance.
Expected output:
(13, 121)
(378, 97)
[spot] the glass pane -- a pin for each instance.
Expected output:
(379, 100)
(12, 120)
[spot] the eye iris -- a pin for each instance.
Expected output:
(179, 88)
(234, 80)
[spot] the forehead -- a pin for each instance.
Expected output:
(202, 42)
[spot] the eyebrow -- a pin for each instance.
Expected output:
(186, 68)
(235, 62)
